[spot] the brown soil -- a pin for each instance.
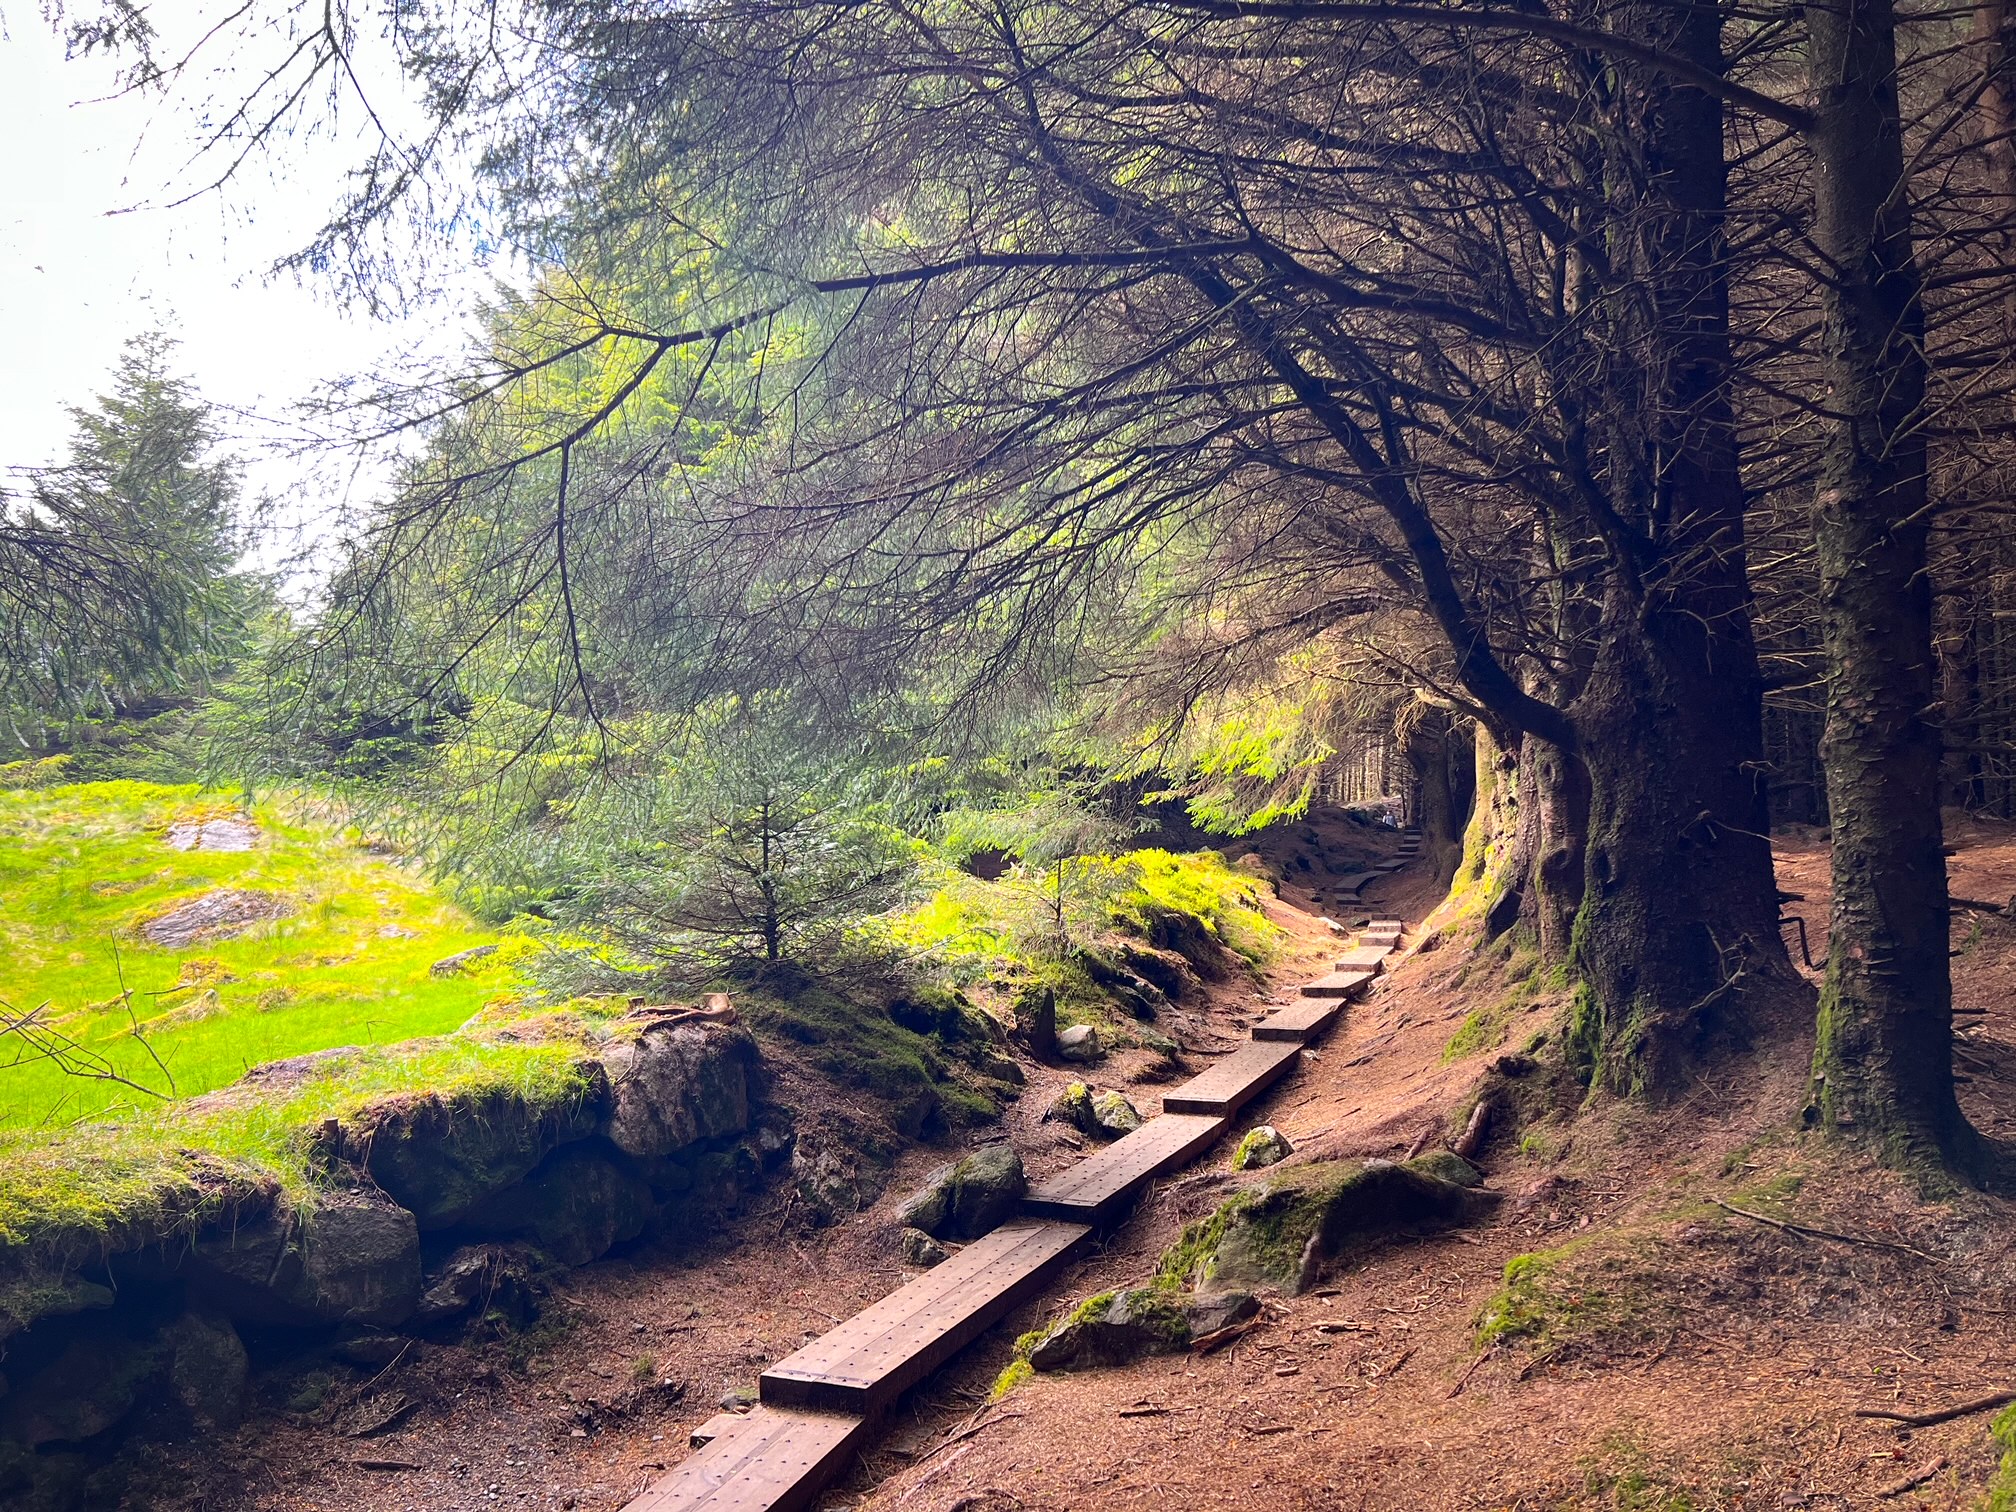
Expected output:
(1712, 1361)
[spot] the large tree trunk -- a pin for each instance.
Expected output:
(1442, 786)
(1676, 941)
(1883, 1065)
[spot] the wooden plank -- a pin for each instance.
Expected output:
(1364, 958)
(715, 1426)
(1399, 926)
(868, 1361)
(1386, 939)
(1339, 984)
(1305, 1020)
(1353, 881)
(775, 1460)
(1234, 1081)
(1095, 1189)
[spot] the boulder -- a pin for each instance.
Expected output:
(225, 833)
(351, 1257)
(501, 1278)
(967, 1198)
(207, 1369)
(675, 1086)
(919, 1248)
(1264, 1146)
(89, 1386)
(582, 1200)
(1036, 1019)
(1079, 1043)
(1113, 1114)
(1288, 1229)
(1117, 1328)
(442, 1157)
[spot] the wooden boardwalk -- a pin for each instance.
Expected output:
(821, 1402)
(1236, 1080)
(1098, 1188)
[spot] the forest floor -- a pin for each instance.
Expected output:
(1663, 1351)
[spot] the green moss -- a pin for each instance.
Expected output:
(2002, 1488)
(1185, 1263)
(1018, 1371)
(1482, 1029)
(856, 1044)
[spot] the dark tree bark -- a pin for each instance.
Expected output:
(1442, 799)
(1676, 932)
(1883, 1065)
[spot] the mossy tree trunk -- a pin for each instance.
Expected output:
(1441, 762)
(1883, 1063)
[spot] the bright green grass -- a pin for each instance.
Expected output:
(83, 866)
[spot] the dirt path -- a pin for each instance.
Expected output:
(1729, 1378)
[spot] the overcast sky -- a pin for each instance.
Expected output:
(77, 279)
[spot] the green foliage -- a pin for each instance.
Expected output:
(117, 573)
(2002, 1489)
(82, 867)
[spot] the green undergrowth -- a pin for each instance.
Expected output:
(83, 867)
(1007, 929)
(2002, 1489)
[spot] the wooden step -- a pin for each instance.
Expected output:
(867, 1362)
(1234, 1081)
(1387, 939)
(1397, 925)
(1096, 1189)
(1353, 881)
(771, 1460)
(1365, 958)
(1304, 1020)
(1339, 984)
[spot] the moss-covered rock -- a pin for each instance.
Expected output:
(1287, 1230)
(1116, 1328)
(1112, 1114)
(584, 1199)
(1263, 1146)
(970, 1196)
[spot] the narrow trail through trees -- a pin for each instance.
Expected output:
(821, 1404)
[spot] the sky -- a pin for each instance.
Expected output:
(78, 278)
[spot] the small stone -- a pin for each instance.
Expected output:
(1264, 1146)
(1079, 1043)
(460, 962)
(1074, 1107)
(1115, 1115)
(919, 1248)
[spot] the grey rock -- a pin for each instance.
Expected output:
(442, 1157)
(1263, 1146)
(1113, 1114)
(919, 1248)
(674, 1086)
(459, 963)
(579, 1203)
(216, 915)
(1079, 1043)
(1073, 1106)
(967, 1198)
(226, 833)
(354, 1257)
(207, 1369)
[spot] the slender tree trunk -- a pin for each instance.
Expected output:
(1883, 1065)
(1440, 811)
(1676, 943)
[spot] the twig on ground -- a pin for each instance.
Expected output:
(1941, 1415)
(1219, 1337)
(1915, 1479)
(1464, 1379)
(1811, 1232)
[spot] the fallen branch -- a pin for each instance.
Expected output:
(1472, 1138)
(1464, 1379)
(1915, 1479)
(1942, 1415)
(1218, 1337)
(1811, 1232)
